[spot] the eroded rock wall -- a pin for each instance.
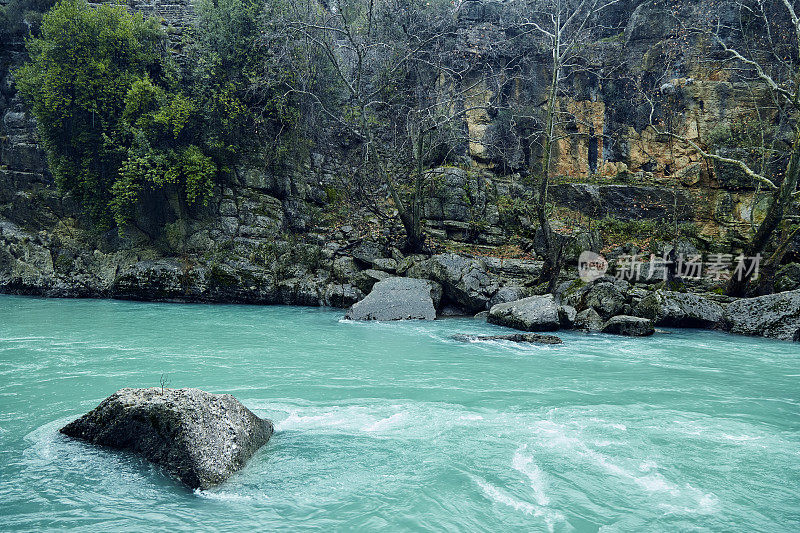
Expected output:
(262, 240)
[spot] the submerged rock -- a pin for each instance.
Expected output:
(776, 316)
(398, 299)
(630, 326)
(535, 313)
(514, 337)
(679, 309)
(198, 437)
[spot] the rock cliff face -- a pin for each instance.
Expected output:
(607, 142)
(264, 240)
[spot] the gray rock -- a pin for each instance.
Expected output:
(637, 294)
(588, 320)
(678, 309)
(342, 295)
(452, 311)
(630, 326)
(776, 316)
(200, 242)
(163, 279)
(368, 278)
(572, 293)
(509, 293)
(367, 252)
(534, 338)
(465, 281)
(566, 315)
(305, 290)
(397, 299)
(788, 278)
(409, 266)
(623, 202)
(345, 269)
(606, 298)
(385, 264)
(535, 313)
(521, 268)
(198, 437)
(483, 315)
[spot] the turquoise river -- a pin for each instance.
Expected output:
(398, 427)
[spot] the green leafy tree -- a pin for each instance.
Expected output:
(112, 116)
(240, 84)
(78, 77)
(161, 130)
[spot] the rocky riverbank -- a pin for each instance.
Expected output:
(283, 235)
(340, 274)
(606, 305)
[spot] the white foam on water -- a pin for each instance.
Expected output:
(225, 496)
(498, 495)
(705, 504)
(386, 423)
(495, 494)
(657, 483)
(646, 466)
(409, 420)
(570, 442)
(44, 439)
(523, 463)
(739, 438)
(333, 419)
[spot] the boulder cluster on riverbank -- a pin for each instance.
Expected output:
(451, 284)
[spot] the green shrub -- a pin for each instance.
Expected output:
(118, 121)
(76, 81)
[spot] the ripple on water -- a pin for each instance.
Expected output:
(400, 427)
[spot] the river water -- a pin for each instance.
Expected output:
(397, 426)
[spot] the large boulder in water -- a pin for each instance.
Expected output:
(679, 309)
(198, 437)
(588, 320)
(535, 313)
(776, 316)
(606, 298)
(466, 281)
(630, 326)
(398, 299)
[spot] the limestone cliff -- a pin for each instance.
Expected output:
(274, 235)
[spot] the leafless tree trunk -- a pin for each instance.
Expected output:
(563, 27)
(402, 96)
(762, 48)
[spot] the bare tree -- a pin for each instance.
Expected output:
(164, 382)
(757, 43)
(398, 91)
(561, 31)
